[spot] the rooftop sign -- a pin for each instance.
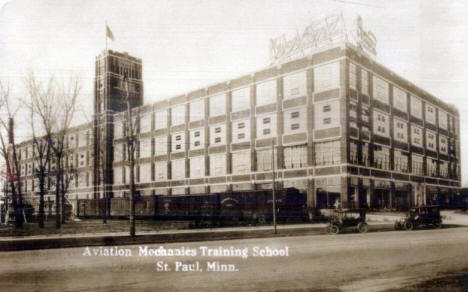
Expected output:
(322, 33)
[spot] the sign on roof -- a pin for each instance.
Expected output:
(322, 33)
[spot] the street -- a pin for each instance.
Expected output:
(348, 262)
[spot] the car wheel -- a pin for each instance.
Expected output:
(362, 227)
(408, 226)
(437, 225)
(334, 229)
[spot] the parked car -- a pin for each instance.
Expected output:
(424, 215)
(345, 219)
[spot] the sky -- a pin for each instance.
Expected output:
(190, 44)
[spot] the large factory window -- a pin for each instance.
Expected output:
(327, 77)
(295, 85)
(218, 105)
(381, 157)
(241, 162)
(240, 99)
(178, 115)
(197, 110)
(295, 156)
(264, 160)
(266, 92)
(217, 164)
(380, 90)
(327, 153)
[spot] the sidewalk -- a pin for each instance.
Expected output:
(171, 236)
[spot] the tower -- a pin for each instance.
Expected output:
(110, 95)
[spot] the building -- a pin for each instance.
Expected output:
(343, 127)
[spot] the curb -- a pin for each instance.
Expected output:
(106, 240)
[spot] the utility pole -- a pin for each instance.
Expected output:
(274, 183)
(131, 157)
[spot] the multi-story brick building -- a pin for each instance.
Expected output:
(343, 128)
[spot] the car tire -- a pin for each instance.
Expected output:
(362, 227)
(334, 229)
(437, 225)
(408, 226)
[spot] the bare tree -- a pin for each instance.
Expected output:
(68, 175)
(40, 110)
(130, 137)
(56, 111)
(9, 153)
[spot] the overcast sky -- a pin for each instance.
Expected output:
(190, 44)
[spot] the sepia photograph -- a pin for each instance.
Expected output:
(234, 145)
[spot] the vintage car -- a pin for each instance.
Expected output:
(424, 215)
(345, 219)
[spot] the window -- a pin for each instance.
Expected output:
(240, 131)
(431, 167)
(217, 164)
(160, 145)
(241, 162)
(266, 93)
(267, 129)
(417, 164)
(400, 130)
(324, 110)
(160, 169)
(365, 155)
(416, 136)
(295, 85)
(443, 169)
(443, 144)
(197, 110)
(145, 123)
(381, 124)
(327, 77)
(430, 114)
(327, 121)
(178, 115)
(352, 76)
(381, 157)
(430, 140)
(295, 156)
(197, 166)
(145, 148)
(401, 161)
(145, 172)
(241, 99)
(197, 138)
(217, 105)
(178, 169)
(160, 118)
(294, 121)
(264, 160)
(353, 110)
(327, 153)
(443, 120)
(353, 153)
(218, 135)
(380, 90)
(364, 82)
(416, 107)
(178, 142)
(365, 114)
(399, 99)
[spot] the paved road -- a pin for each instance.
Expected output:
(347, 262)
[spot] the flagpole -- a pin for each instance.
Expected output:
(106, 35)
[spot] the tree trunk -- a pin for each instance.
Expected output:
(132, 196)
(57, 201)
(41, 200)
